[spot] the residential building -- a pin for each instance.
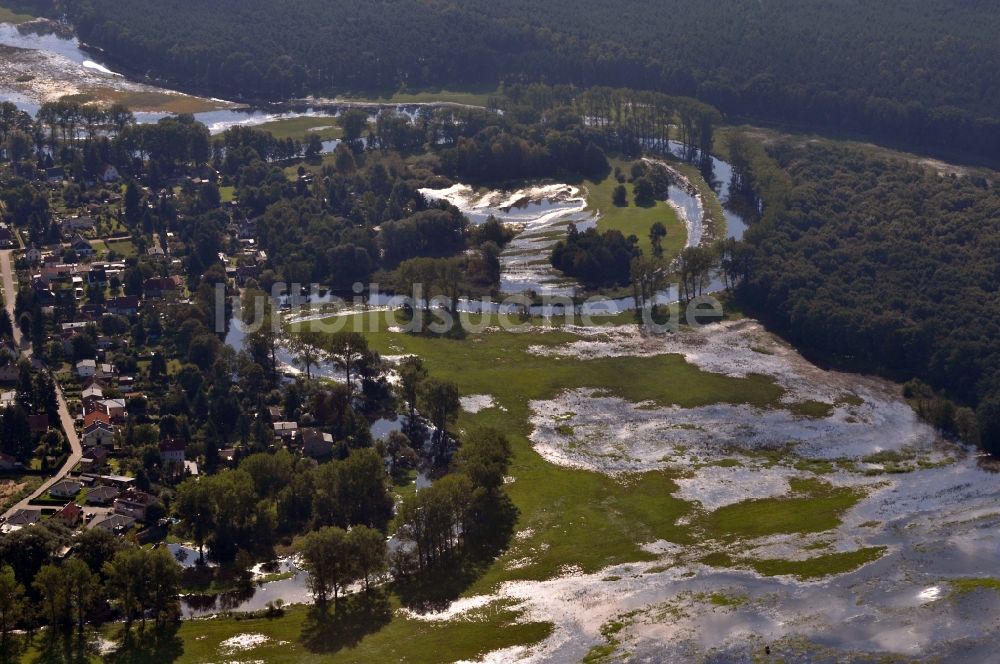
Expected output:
(71, 515)
(172, 451)
(133, 503)
(33, 254)
(316, 444)
(102, 495)
(98, 434)
(119, 524)
(66, 489)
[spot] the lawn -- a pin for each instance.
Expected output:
(471, 98)
(301, 128)
(633, 220)
(124, 248)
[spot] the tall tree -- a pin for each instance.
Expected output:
(326, 555)
(441, 403)
(348, 349)
(82, 586)
(368, 548)
(11, 602)
(50, 584)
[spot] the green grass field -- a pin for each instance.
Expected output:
(123, 248)
(632, 220)
(362, 632)
(469, 97)
(8, 16)
(301, 128)
(813, 507)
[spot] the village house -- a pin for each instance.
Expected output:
(82, 247)
(94, 416)
(91, 395)
(98, 434)
(158, 288)
(124, 305)
(77, 225)
(33, 254)
(117, 524)
(95, 458)
(109, 174)
(55, 175)
(86, 368)
(113, 408)
(286, 431)
(172, 451)
(6, 237)
(71, 515)
(21, 518)
(133, 503)
(66, 489)
(102, 495)
(316, 444)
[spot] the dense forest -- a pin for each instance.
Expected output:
(917, 71)
(884, 264)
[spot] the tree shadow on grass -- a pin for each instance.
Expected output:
(146, 645)
(437, 587)
(12, 648)
(328, 630)
(58, 647)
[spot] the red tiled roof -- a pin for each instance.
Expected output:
(95, 416)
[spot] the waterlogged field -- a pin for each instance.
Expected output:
(712, 491)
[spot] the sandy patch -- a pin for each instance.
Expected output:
(476, 402)
(243, 642)
(713, 487)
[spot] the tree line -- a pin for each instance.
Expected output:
(881, 265)
(914, 71)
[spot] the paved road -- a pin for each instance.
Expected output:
(65, 419)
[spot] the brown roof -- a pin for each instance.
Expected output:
(95, 416)
(71, 512)
(172, 445)
(136, 497)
